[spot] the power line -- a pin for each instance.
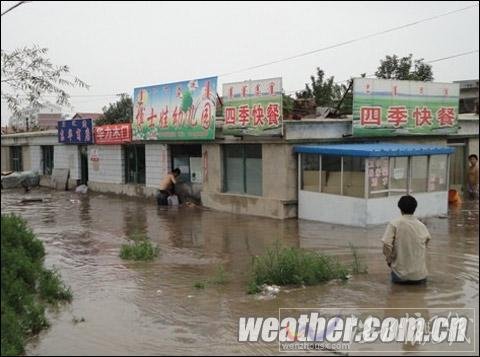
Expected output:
(454, 56)
(431, 61)
(348, 42)
(76, 96)
(309, 52)
(289, 92)
(14, 6)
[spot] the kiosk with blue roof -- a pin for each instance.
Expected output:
(360, 184)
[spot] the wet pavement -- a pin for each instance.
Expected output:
(154, 308)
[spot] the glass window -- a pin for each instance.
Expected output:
(311, 172)
(419, 172)
(353, 176)
(135, 164)
(398, 175)
(378, 176)
(243, 169)
(457, 167)
(47, 159)
(438, 173)
(253, 170)
(16, 162)
(234, 168)
(331, 174)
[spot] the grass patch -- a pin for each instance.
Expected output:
(293, 266)
(139, 248)
(27, 287)
(219, 278)
(199, 285)
(358, 267)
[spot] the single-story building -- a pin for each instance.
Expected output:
(238, 174)
(364, 181)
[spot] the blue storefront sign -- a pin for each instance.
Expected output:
(77, 131)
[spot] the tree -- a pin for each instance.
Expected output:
(28, 77)
(287, 106)
(327, 93)
(322, 89)
(118, 112)
(393, 67)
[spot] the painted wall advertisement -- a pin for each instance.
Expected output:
(378, 174)
(253, 107)
(391, 107)
(77, 131)
(175, 111)
(113, 134)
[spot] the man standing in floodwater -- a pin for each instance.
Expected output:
(404, 245)
(167, 187)
(472, 177)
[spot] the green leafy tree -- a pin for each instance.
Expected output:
(28, 77)
(324, 90)
(118, 112)
(404, 68)
(326, 93)
(287, 105)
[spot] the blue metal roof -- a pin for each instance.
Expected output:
(373, 150)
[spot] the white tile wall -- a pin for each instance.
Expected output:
(36, 158)
(110, 166)
(66, 156)
(157, 162)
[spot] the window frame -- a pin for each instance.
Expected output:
(48, 153)
(16, 158)
(135, 148)
(244, 158)
(389, 190)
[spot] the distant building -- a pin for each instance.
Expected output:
(93, 116)
(47, 121)
(37, 119)
(468, 96)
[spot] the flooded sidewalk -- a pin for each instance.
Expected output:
(153, 308)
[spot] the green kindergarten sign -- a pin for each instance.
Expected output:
(384, 107)
(253, 107)
(175, 111)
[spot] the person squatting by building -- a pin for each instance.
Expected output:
(167, 187)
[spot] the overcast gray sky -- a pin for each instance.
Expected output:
(116, 46)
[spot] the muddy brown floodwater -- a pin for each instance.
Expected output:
(153, 308)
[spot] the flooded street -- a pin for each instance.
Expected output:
(154, 308)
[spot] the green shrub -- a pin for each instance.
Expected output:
(51, 287)
(26, 286)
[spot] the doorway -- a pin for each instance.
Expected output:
(83, 155)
